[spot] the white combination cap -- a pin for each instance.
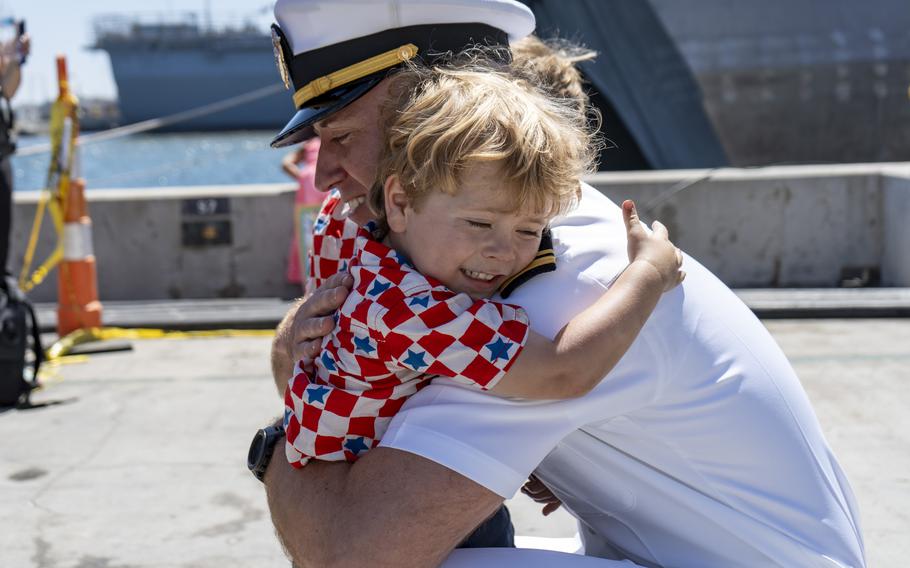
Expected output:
(330, 52)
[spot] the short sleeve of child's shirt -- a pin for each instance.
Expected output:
(439, 332)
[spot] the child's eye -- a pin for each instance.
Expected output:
(479, 224)
(530, 233)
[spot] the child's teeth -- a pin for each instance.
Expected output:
(479, 275)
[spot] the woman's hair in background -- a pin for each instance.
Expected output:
(529, 118)
(552, 65)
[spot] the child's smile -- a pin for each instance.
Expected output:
(471, 241)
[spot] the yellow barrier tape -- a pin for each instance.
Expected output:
(64, 133)
(64, 346)
(33, 240)
(53, 203)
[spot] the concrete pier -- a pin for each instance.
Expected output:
(136, 459)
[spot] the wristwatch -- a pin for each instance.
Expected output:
(262, 447)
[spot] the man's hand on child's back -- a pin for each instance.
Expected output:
(299, 335)
(313, 319)
(540, 493)
(653, 248)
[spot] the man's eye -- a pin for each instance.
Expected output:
(479, 224)
(341, 138)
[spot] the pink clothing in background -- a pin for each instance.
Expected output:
(306, 206)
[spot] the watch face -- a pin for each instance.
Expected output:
(261, 449)
(257, 450)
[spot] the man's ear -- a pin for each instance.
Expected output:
(396, 204)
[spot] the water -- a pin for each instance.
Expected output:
(164, 159)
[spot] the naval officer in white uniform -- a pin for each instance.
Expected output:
(699, 449)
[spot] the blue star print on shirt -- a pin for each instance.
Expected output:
(499, 349)
(327, 361)
(402, 259)
(415, 360)
(420, 301)
(355, 445)
(378, 288)
(317, 394)
(363, 344)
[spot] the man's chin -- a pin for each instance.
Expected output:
(362, 215)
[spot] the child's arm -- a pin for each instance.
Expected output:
(588, 347)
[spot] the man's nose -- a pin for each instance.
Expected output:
(329, 172)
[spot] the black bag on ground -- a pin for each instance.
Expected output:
(19, 334)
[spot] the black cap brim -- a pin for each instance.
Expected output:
(300, 127)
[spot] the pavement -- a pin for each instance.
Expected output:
(136, 458)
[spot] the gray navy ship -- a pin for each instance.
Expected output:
(169, 65)
(782, 81)
(797, 81)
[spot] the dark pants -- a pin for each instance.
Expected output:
(495, 532)
(6, 202)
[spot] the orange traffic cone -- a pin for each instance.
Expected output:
(77, 290)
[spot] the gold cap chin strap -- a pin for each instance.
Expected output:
(353, 72)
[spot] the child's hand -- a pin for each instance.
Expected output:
(655, 248)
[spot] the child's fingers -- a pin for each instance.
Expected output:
(630, 214)
(660, 230)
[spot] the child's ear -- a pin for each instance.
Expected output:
(396, 204)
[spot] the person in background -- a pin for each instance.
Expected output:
(13, 54)
(551, 64)
(300, 165)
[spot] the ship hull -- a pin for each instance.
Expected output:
(801, 81)
(159, 84)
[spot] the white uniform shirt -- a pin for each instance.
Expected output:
(699, 449)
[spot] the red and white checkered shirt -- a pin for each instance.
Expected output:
(396, 330)
(333, 242)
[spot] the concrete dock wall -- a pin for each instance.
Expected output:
(140, 250)
(896, 221)
(800, 226)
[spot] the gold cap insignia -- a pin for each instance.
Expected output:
(279, 59)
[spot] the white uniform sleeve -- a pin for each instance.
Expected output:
(498, 442)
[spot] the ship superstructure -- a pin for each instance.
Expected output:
(783, 81)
